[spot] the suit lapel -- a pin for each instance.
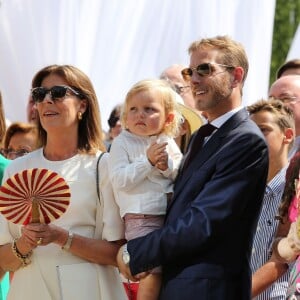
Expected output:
(202, 156)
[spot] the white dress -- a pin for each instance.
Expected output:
(40, 279)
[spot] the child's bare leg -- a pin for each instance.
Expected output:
(149, 287)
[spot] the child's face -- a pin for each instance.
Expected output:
(274, 135)
(145, 114)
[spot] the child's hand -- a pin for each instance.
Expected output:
(162, 163)
(288, 248)
(158, 156)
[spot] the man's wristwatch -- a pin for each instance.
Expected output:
(126, 255)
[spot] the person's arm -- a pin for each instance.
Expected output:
(272, 270)
(96, 251)
(9, 260)
(125, 174)
(113, 225)
(93, 250)
(265, 276)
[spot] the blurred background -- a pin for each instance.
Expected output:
(120, 42)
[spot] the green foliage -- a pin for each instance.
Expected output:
(287, 18)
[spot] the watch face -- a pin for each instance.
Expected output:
(126, 258)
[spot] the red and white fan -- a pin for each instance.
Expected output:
(34, 196)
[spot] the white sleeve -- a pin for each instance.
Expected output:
(174, 160)
(123, 173)
(113, 225)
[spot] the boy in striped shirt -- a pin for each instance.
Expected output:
(276, 121)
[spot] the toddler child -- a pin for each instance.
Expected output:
(144, 160)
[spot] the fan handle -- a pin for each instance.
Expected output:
(35, 213)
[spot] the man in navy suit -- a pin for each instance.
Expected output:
(204, 246)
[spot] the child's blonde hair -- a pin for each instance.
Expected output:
(168, 97)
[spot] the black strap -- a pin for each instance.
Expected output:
(97, 176)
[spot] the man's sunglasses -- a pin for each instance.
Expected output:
(56, 92)
(202, 70)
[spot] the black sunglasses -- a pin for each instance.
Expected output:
(56, 92)
(202, 70)
(18, 153)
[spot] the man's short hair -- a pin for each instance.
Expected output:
(284, 115)
(291, 64)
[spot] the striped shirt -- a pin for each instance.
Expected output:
(265, 232)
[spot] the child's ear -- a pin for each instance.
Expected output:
(170, 117)
(288, 135)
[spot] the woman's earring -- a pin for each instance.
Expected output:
(79, 115)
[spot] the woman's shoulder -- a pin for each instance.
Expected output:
(102, 158)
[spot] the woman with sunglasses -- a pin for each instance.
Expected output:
(72, 257)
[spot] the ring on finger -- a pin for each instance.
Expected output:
(39, 241)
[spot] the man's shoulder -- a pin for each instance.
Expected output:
(240, 123)
(242, 130)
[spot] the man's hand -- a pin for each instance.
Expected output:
(125, 270)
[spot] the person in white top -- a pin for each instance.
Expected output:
(143, 163)
(74, 256)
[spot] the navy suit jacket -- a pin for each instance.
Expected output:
(204, 247)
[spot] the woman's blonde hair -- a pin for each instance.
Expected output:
(163, 90)
(89, 129)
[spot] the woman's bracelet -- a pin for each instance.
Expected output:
(24, 258)
(69, 241)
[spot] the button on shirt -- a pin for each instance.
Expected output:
(264, 236)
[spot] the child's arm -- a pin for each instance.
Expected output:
(273, 269)
(123, 173)
(174, 157)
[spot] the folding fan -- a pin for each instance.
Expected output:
(34, 196)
